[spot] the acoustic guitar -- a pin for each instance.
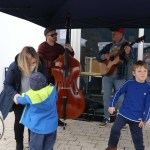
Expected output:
(107, 67)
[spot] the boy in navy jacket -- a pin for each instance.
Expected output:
(135, 109)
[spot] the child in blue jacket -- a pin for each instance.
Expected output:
(40, 114)
(135, 109)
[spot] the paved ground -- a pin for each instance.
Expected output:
(78, 135)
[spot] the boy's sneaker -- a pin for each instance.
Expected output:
(125, 128)
(104, 122)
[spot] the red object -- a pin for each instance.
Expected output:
(121, 30)
(116, 29)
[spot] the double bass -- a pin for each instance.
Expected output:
(70, 103)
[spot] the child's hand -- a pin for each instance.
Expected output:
(111, 110)
(141, 124)
(15, 100)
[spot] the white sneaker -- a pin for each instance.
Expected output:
(125, 128)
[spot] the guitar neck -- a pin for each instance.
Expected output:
(132, 43)
(122, 49)
(127, 44)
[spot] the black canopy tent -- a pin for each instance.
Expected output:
(84, 13)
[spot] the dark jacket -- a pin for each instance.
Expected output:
(12, 86)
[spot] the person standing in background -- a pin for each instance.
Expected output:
(120, 74)
(49, 51)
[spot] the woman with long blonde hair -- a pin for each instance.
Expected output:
(17, 82)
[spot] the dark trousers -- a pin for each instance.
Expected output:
(18, 128)
(136, 132)
(42, 141)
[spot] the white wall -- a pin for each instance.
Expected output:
(16, 33)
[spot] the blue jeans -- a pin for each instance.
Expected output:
(109, 83)
(42, 141)
(135, 130)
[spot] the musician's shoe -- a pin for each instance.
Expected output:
(61, 123)
(125, 128)
(104, 122)
(111, 148)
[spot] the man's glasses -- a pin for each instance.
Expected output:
(53, 35)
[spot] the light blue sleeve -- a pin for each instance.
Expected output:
(23, 100)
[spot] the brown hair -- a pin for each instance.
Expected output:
(24, 59)
(138, 64)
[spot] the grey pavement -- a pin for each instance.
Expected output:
(78, 135)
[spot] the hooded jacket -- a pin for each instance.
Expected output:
(40, 114)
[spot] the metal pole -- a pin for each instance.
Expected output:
(140, 45)
(76, 42)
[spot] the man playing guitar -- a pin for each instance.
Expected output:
(120, 73)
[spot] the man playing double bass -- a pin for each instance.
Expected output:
(119, 74)
(49, 51)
